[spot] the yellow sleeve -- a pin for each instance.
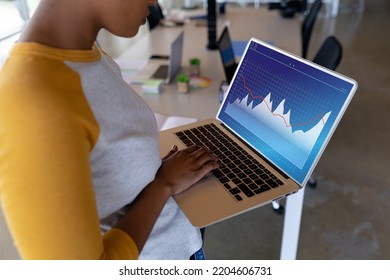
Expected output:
(47, 131)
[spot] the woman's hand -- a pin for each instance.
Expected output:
(181, 169)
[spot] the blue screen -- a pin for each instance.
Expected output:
(284, 107)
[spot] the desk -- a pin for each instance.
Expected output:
(244, 23)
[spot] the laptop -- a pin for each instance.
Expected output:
(226, 52)
(163, 67)
(269, 133)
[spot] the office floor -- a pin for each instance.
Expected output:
(345, 217)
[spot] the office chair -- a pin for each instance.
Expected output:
(288, 8)
(307, 26)
(155, 15)
(329, 55)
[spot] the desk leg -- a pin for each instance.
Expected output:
(335, 7)
(292, 222)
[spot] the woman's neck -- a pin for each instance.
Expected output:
(61, 27)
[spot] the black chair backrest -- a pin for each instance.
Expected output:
(307, 26)
(155, 15)
(330, 53)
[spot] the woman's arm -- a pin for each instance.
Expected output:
(179, 171)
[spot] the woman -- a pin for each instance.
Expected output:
(80, 172)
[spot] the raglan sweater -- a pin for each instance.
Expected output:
(77, 145)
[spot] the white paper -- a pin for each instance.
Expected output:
(166, 122)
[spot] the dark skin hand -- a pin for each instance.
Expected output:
(179, 171)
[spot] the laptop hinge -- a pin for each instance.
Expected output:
(257, 153)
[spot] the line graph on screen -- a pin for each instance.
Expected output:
(272, 122)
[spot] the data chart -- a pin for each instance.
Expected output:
(283, 107)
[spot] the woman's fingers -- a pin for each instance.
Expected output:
(173, 150)
(201, 156)
(185, 167)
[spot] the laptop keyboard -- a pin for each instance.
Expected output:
(240, 173)
(161, 72)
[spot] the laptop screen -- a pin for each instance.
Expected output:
(226, 49)
(284, 107)
(175, 56)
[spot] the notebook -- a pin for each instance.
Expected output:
(277, 117)
(163, 67)
(226, 52)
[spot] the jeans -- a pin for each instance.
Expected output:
(198, 255)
